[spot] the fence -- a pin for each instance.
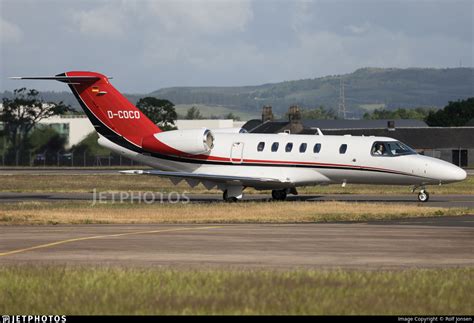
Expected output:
(61, 159)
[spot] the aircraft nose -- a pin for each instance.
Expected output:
(455, 173)
(460, 174)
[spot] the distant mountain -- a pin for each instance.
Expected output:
(365, 89)
(66, 97)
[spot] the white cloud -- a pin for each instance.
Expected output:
(301, 15)
(9, 33)
(359, 29)
(202, 16)
(108, 20)
(227, 42)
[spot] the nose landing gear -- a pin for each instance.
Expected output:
(423, 196)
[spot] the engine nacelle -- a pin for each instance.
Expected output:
(189, 141)
(230, 130)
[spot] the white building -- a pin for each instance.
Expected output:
(76, 127)
(209, 123)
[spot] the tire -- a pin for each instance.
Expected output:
(423, 196)
(228, 199)
(279, 195)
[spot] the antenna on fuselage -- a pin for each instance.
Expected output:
(318, 131)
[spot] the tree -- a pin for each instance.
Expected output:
(455, 114)
(193, 113)
(232, 116)
(318, 114)
(90, 146)
(23, 112)
(418, 114)
(159, 111)
(46, 139)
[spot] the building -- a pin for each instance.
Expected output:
(74, 128)
(453, 144)
(209, 123)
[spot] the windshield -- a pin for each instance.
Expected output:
(391, 148)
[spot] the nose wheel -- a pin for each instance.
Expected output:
(423, 196)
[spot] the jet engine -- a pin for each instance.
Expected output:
(188, 141)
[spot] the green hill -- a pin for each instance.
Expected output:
(365, 89)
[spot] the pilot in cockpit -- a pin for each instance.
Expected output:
(380, 150)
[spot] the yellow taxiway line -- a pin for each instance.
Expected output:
(52, 244)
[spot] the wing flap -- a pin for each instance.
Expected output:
(225, 179)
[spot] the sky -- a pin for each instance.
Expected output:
(146, 45)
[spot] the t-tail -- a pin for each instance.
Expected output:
(112, 115)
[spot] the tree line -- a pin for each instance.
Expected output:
(21, 114)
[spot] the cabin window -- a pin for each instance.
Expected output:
(275, 146)
(289, 147)
(303, 147)
(391, 148)
(343, 149)
(317, 148)
(261, 146)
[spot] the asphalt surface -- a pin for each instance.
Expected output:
(435, 200)
(426, 243)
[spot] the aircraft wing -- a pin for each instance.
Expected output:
(211, 180)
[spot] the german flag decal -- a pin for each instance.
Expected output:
(95, 89)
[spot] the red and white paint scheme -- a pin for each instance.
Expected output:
(233, 161)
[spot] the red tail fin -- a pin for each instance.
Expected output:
(110, 112)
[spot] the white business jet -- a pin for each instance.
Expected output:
(232, 161)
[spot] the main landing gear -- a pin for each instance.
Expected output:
(233, 194)
(228, 198)
(280, 195)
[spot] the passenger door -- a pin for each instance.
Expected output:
(236, 153)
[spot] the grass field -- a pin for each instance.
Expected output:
(25, 213)
(120, 182)
(76, 290)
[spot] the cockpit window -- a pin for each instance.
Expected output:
(391, 148)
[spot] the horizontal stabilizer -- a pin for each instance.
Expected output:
(61, 78)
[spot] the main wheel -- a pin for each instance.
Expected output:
(279, 195)
(423, 196)
(228, 198)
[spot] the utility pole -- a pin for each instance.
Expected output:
(342, 99)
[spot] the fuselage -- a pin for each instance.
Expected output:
(301, 160)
